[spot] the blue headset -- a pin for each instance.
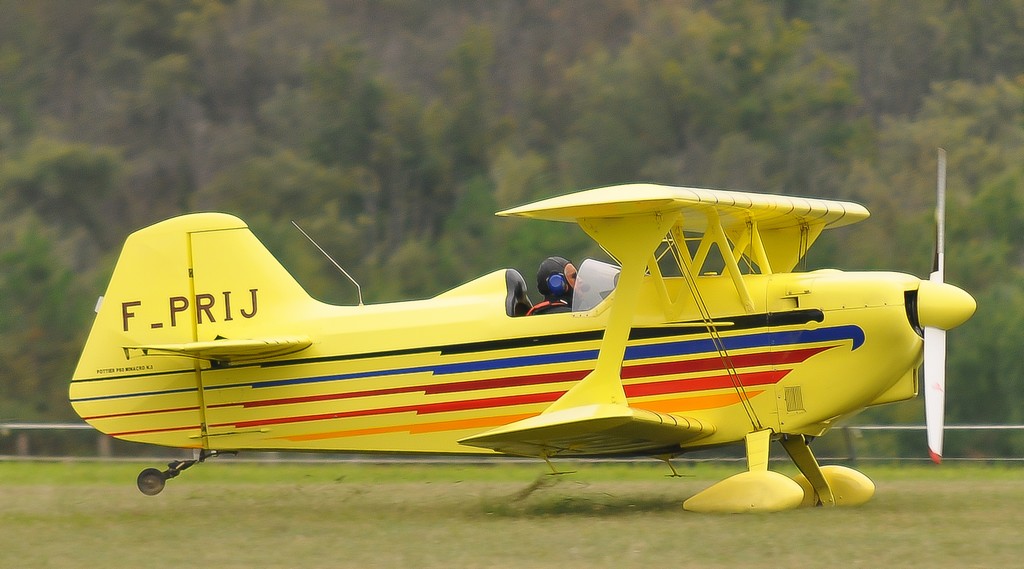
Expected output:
(557, 284)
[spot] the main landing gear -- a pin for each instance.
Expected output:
(151, 481)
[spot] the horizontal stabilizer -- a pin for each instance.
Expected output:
(224, 350)
(599, 429)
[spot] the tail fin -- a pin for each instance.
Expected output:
(182, 286)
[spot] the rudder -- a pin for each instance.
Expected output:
(194, 278)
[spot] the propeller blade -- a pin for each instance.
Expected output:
(935, 389)
(938, 267)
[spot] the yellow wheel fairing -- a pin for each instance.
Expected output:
(849, 487)
(751, 491)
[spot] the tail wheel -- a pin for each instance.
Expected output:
(151, 481)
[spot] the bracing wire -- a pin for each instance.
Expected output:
(716, 337)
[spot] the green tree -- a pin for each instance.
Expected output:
(392, 130)
(698, 93)
(67, 184)
(42, 325)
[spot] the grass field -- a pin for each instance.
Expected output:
(236, 515)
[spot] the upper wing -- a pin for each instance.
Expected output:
(224, 350)
(785, 226)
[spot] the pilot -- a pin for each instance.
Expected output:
(556, 279)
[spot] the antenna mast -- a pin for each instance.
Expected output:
(359, 289)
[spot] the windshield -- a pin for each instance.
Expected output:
(595, 280)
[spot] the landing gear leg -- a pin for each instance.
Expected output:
(829, 485)
(554, 471)
(667, 459)
(800, 452)
(151, 481)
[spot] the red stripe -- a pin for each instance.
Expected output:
(500, 382)
(717, 363)
(490, 402)
(628, 372)
(704, 383)
(152, 431)
(326, 397)
(456, 387)
(466, 405)
(644, 389)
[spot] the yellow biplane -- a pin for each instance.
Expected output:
(699, 335)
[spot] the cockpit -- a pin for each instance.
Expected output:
(595, 280)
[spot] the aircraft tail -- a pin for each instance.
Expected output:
(200, 286)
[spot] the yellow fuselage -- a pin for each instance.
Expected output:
(419, 376)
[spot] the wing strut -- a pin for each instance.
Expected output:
(594, 417)
(630, 240)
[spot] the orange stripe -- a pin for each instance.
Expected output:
(469, 423)
(493, 421)
(663, 406)
(695, 403)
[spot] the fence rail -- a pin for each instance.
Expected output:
(16, 443)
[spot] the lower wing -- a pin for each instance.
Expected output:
(598, 429)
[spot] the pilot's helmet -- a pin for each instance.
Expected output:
(556, 277)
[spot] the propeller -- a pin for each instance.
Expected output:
(934, 337)
(941, 307)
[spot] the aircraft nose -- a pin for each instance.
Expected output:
(943, 306)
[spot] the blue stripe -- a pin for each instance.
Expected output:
(685, 347)
(442, 369)
(789, 338)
